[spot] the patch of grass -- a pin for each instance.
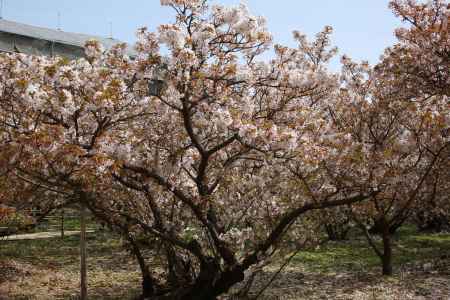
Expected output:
(420, 248)
(58, 250)
(351, 255)
(409, 247)
(71, 222)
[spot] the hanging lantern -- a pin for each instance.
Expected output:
(155, 87)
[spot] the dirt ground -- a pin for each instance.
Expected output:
(48, 269)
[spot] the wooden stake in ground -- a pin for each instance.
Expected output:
(83, 285)
(62, 223)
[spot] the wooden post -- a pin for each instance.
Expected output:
(62, 224)
(83, 284)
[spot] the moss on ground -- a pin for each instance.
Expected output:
(409, 247)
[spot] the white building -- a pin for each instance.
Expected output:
(34, 40)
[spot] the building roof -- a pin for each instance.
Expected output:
(53, 35)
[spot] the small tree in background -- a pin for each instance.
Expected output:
(398, 125)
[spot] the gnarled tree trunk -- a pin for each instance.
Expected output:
(386, 258)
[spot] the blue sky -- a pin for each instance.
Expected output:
(363, 28)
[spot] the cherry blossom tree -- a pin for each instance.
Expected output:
(433, 214)
(398, 122)
(210, 151)
(420, 62)
(212, 154)
(243, 144)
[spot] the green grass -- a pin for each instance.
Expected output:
(409, 247)
(57, 251)
(338, 256)
(71, 222)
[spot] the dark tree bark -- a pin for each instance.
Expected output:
(385, 255)
(179, 269)
(148, 284)
(393, 226)
(386, 258)
(212, 281)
